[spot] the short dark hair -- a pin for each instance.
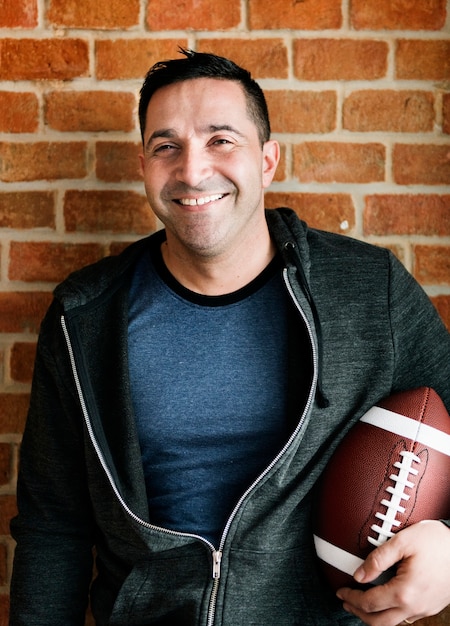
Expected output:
(205, 65)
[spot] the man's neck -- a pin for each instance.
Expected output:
(218, 275)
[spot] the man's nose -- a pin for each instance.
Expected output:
(193, 166)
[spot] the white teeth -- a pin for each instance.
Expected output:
(200, 201)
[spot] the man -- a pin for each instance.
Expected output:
(189, 392)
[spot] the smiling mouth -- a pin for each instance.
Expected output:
(200, 201)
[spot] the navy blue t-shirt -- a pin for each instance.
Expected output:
(209, 385)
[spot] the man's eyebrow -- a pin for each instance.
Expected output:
(214, 128)
(218, 128)
(170, 133)
(167, 133)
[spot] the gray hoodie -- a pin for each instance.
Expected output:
(371, 330)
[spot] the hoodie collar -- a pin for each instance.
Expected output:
(290, 235)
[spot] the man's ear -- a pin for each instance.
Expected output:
(271, 157)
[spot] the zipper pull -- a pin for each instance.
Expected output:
(217, 558)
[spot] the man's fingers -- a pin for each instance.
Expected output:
(383, 558)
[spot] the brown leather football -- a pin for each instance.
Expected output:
(390, 471)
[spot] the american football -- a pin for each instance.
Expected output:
(390, 471)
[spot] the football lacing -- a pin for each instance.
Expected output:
(393, 505)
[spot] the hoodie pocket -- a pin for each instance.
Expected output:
(167, 589)
(277, 588)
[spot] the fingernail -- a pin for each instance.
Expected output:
(359, 575)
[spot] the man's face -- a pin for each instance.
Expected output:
(203, 165)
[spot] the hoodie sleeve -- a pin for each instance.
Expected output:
(54, 527)
(421, 341)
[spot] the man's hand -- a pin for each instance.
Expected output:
(421, 586)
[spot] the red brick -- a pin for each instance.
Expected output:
(23, 354)
(398, 15)
(49, 261)
(89, 620)
(422, 60)
(27, 209)
(264, 58)
(22, 312)
(43, 59)
(407, 214)
(116, 247)
(326, 162)
(91, 111)
(302, 111)
(5, 465)
(110, 211)
(193, 14)
(117, 161)
(396, 249)
(432, 264)
(421, 164)
(18, 14)
(18, 112)
(4, 610)
(132, 58)
(8, 509)
(103, 14)
(333, 212)
(339, 59)
(442, 304)
(3, 575)
(2, 361)
(389, 110)
(42, 161)
(13, 412)
(303, 15)
(446, 113)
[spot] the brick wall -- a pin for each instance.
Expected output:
(359, 94)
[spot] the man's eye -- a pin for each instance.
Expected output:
(165, 147)
(222, 141)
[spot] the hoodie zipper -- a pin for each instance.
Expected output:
(218, 554)
(215, 554)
